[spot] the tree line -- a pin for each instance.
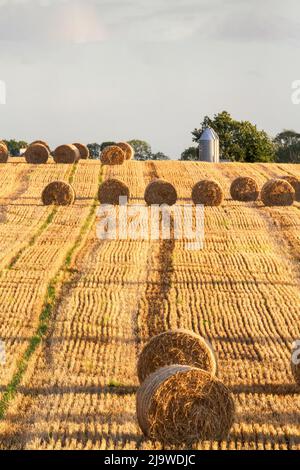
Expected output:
(239, 141)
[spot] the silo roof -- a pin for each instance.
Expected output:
(209, 134)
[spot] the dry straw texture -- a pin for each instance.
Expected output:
(127, 149)
(112, 155)
(208, 193)
(111, 190)
(244, 189)
(183, 405)
(43, 143)
(160, 192)
(66, 154)
(277, 192)
(295, 182)
(58, 193)
(176, 347)
(3, 153)
(37, 154)
(83, 150)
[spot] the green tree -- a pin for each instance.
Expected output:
(14, 146)
(239, 140)
(159, 156)
(142, 149)
(95, 150)
(191, 153)
(287, 146)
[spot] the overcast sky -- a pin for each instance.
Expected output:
(95, 70)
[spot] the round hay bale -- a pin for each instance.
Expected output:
(181, 404)
(43, 143)
(295, 182)
(3, 143)
(58, 193)
(176, 347)
(244, 189)
(66, 154)
(111, 190)
(112, 155)
(127, 149)
(277, 192)
(160, 192)
(36, 154)
(3, 153)
(83, 150)
(208, 193)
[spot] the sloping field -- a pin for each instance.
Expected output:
(241, 291)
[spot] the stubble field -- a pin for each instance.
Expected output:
(75, 310)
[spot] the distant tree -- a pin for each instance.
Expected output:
(239, 140)
(142, 149)
(95, 150)
(14, 146)
(106, 144)
(191, 153)
(159, 156)
(287, 146)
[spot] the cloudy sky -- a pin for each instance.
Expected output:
(95, 70)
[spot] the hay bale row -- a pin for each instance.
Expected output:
(58, 193)
(39, 151)
(181, 404)
(281, 191)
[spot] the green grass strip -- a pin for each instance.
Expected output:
(45, 316)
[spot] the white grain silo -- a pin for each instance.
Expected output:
(209, 146)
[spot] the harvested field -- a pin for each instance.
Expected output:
(241, 292)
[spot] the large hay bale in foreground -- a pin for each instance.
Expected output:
(58, 193)
(277, 192)
(37, 154)
(112, 155)
(208, 193)
(183, 405)
(83, 150)
(127, 149)
(43, 143)
(66, 154)
(160, 192)
(244, 189)
(176, 347)
(295, 182)
(111, 190)
(3, 153)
